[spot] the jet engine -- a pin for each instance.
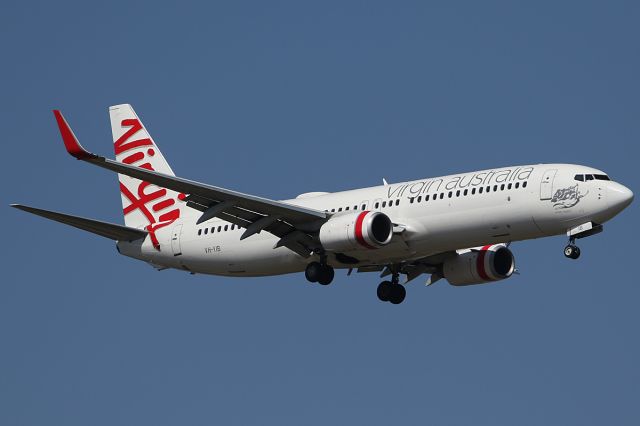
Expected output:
(480, 265)
(356, 231)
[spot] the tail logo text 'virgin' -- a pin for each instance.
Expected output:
(154, 204)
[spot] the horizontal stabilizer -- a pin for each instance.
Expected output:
(104, 229)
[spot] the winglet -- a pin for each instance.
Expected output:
(70, 141)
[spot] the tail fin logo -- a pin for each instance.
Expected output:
(156, 204)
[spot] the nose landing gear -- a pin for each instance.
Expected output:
(572, 251)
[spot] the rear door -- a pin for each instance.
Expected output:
(546, 185)
(175, 240)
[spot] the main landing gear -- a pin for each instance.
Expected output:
(320, 273)
(392, 291)
(572, 251)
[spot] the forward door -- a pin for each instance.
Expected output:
(546, 185)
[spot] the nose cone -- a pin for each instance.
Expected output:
(618, 196)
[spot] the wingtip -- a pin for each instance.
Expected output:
(20, 207)
(69, 138)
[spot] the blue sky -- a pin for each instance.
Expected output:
(279, 98)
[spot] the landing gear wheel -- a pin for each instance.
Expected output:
(326, 276)
(571, 251)
(313, 272)
(398, 293)
(384, 291)
(576, 252)
(317, 272)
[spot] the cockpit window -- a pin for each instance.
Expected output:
(582, 178)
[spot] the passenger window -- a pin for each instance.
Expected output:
(226, 228)
(206, 231)
(473, 191)
(488, 189)
(411, 199)
(233, 227)
(458, 193)
(219, 228)
(517, 185)
(579, 177)
(509, 186)
(524, 184)
(495, 188)
(199, 231)
(355, 207)
(450, 194)
(364, 206)
(441, 195)
(339, 209)
(384, 204)
(466, 191)
(333, 210)
(346, 208)
(426, 197)
(398, 202)
(420, 198)
(377, 205)
(213, 228)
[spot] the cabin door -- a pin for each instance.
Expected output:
(546, 185)
(175, 240)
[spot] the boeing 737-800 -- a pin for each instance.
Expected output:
(455, 227)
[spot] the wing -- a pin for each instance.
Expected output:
(431, 264)
(291, 224)
(104, 229)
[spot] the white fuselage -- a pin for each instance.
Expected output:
(433, 215)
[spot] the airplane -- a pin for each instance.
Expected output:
(457, 227)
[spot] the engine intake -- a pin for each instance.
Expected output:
(356, 231)
(480, 265)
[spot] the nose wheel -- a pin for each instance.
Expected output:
(572, 251)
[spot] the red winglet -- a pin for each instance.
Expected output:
(70, 141)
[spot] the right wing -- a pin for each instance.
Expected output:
(288, 222)
(104, 229)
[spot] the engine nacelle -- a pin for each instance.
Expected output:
(480, 265)
(356, 231)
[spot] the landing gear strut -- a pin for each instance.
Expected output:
(392, 291)
(321, 273)
(572, 251)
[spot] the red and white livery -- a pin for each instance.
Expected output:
(455, 227)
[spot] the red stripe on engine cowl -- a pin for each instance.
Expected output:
(358, 230)
(480, 263)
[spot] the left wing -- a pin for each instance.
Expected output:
(292, 224)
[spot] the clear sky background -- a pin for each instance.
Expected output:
(279, 98)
